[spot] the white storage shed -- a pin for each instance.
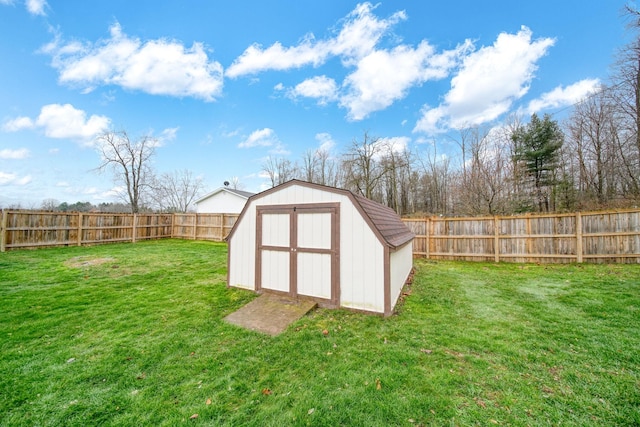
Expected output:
(309, 240)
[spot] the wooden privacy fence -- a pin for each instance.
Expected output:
(203, 226)
(31, 229)
(612, 236)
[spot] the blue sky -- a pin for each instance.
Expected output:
(224, 85)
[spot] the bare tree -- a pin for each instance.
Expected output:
(49, 205)
(329, 171)
(626, 93)
(488, 175)
(395, 163)
(176, 191)
(591, 132)
(362, 168)
(309, 167)
(130, 162)
(473, 144)
(435, 182)
(279, 170)
(236, 184)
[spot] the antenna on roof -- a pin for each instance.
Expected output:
(226, 183)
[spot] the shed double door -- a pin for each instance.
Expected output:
(297, 250)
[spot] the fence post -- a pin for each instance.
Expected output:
(429, 234)
(496, 238)
(528, 231)
(578, 237)
(3, 231)
(222, 236)
(195, 226)
(80, 228)
(133, 230)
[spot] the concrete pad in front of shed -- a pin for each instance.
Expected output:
(270, 314)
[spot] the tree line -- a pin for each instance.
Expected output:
(589, 161)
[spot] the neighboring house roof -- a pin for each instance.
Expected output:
(243, 194)
(384, 220)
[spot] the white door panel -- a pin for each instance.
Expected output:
(275, 270)
(314, 274)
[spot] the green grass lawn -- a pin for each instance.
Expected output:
(132, 334)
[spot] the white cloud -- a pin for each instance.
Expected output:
(360, 32)
(381, 76)
(254, 59)
(157, 67)
(260, 138)
(6, 178)
(488, 83)
(17, 124)
(62, 122)
(7, 154)
(385, 146)
(560, 97)
(13, 179)
(67, 122)
(385, 76)
(24, 180)
(36, 7)
(168, 134)
(322, 88)
(90, 191)
(114, 193)
(326, 142)
(279, 149)
(231, 133)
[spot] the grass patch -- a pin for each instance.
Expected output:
(132, 334)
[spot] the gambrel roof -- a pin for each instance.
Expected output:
(384, 221)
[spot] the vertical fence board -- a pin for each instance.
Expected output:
(3, 227)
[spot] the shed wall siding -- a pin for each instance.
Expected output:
(362, 265)
(222, 202)
(401, 265)
(361, 253)
(242, 252)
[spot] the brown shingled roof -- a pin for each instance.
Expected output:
(385, 219)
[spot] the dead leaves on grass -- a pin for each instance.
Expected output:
(480, 402)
